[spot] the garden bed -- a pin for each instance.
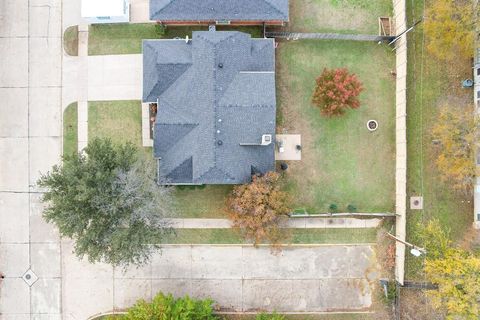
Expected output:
(343, 163)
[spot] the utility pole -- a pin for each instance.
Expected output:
(404, 32)
(416, 251)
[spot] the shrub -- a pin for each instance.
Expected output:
(333, 207)
(335, 91)
(351, 208)
(167, 307)
(160, 29)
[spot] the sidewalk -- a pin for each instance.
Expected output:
(296, 223)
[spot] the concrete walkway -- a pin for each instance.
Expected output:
(240, 278)
(297, 223)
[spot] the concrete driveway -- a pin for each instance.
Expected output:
(239, 278)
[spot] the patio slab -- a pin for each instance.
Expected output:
(289, 143)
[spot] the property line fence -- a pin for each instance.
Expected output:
(400, 19)
(327, 36)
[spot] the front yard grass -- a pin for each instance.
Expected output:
(299, 236)
(340, 16)
(342, 162)
(127, 38)
(70, 129)
(427, 88)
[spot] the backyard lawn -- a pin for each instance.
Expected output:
(121, 122)
(342, 162)
(427, 87)
(70, 128)
(127, 38)
(341, 16)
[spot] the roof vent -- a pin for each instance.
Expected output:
(266, 139)
(219, 142)
(220, 65)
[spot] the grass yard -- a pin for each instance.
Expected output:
(127, 38)
(202, 201)
(341, 16)
(298, 236)
(427, 87)
(70, 41)
(70, 129)
(121, 121)
(342, 162)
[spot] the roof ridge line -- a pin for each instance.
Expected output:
(162, 8)
(275, 8)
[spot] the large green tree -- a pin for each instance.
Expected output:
(107, 200)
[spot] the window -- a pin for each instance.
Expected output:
(103, 18)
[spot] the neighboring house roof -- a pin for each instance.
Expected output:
(214, 93)
(208, 10)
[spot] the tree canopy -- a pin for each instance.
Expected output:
(449, 27)
(107, 200)
(456, 131)
(258, 208)
(336, 90)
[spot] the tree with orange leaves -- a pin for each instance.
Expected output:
(259, 208)
(336, 90)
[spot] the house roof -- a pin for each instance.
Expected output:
(208, 10)
(215, 94)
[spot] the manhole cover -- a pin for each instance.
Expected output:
(416, 203)
(29, 277)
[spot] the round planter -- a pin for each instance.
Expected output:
(372, 125)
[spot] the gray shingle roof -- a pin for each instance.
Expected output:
(208, 10)
(222, 96)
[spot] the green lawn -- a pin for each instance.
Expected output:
(127, 38)
(341, 16)
(202, 201)
(441, 82)
(70, 129)
(342, 162)
(70, 41)
(298, 236)
(120, 121)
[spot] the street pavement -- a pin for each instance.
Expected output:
(239, 278)
(30, 143)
